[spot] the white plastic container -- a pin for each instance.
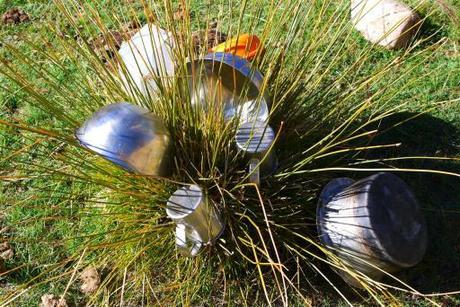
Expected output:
(147, 58)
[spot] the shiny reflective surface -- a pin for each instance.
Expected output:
(255, 140)
(226, 82)
(130, 137)
(197, 221)
(375, 220)
(254, 137)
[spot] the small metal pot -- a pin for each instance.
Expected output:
(375, 221)
(227, 79)
(255, 140)
(197, 221)
(130, 137)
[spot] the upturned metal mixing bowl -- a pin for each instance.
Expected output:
(130, 137)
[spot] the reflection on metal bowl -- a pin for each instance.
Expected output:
(130, 137)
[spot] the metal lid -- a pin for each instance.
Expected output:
(254, 137)
(184, 201)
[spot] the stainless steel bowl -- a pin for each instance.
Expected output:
(227, 82)
(373, 224)
(130, 137)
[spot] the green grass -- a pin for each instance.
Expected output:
(28, 203)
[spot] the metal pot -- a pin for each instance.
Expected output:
(130, 137)
(197, 221)
(255, 139)
(371, 224)
(226, 81)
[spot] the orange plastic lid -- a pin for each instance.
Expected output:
(244, 46)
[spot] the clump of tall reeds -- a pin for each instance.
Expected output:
(326, 109)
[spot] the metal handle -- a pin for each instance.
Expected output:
(254, 171)
(188, 241)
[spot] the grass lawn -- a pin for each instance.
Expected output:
(37, 216)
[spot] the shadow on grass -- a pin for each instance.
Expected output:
(439, 195)
(430, 31)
